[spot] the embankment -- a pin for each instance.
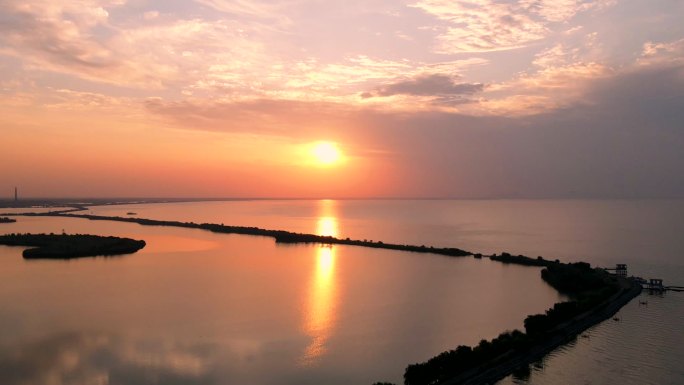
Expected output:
(595, 296)
(553, 339)
(280, 236)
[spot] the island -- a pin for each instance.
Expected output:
(7, 220)
(68, 246)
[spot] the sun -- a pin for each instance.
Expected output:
(326, 153)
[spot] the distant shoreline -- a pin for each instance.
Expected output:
(92, 202)
(42, 203)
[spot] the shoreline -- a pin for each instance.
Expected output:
(554, 339)
(596, 296)
(71, 246)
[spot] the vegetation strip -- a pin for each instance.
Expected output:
(280, 236)
(558, 337)
(7, 220)
(596, 295)
(68, 246)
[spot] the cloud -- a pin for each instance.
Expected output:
(229, 59)
(616, 134)
(151, 15)
(663, 53)
(544, 90)
(78, 38)
(58, 33)
(289, 118)
(313, 80)
(561, 79)
(489, 25)
(559, 11)
(62, 100)
(427, 85)
(555, 56)
(621, 138)
(257, 9)
(431, 90)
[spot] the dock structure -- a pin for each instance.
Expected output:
(655, 284)
(620, 270)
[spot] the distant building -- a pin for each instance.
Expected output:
(621, 270)
(655, 284)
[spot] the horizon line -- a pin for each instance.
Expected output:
(131, 199)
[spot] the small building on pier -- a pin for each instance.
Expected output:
(621, 270)
(655, 284)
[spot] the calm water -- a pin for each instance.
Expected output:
(644, 347)
(196, 307)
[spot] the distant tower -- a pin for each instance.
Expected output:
(16, 197)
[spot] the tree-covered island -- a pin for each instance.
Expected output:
(68, 246)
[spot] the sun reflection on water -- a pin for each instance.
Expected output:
(327, 226)
(320, 312)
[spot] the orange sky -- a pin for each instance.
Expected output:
(423, 98)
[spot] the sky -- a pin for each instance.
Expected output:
(419, 98)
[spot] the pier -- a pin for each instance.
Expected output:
(620, 270)
(653, 285)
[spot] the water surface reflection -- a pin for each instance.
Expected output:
(103, 358)
(195, 307)
(319, 317)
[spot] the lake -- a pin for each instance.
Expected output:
(197, 307)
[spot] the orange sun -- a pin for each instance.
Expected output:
(326, 153)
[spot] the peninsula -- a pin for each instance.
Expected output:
(596, 296)
(68, 246)
(280, 236)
